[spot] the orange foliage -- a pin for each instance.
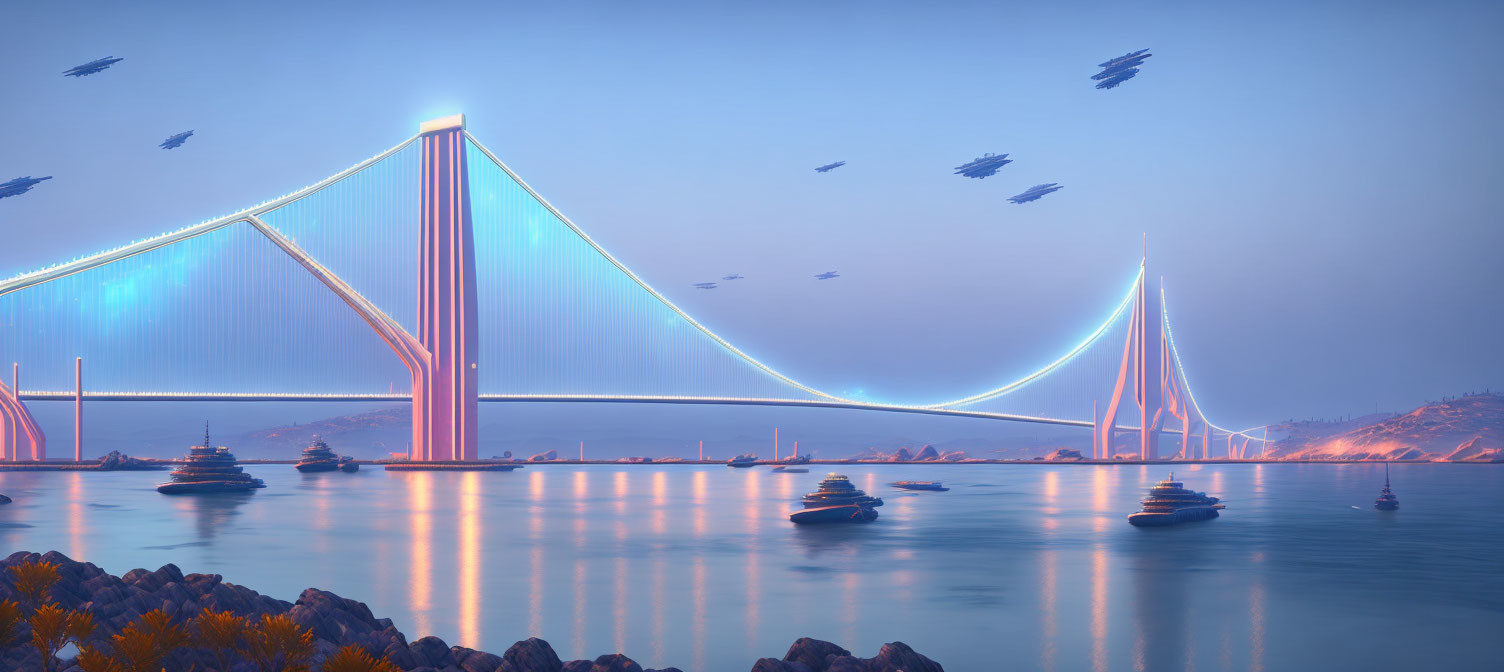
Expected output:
(52, 627)
(91, 659)
(354, 659)
(142, 644)
(278, 644)
(33, 580)
(10, 621)
(221, 632)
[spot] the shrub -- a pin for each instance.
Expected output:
(277, 644)
(355, 659)
(52, 627)
(33, 580)
(221, 632)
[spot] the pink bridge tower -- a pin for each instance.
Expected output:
(445, 392)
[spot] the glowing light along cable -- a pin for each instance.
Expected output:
(644, 285)
(1185, 380)
(1102, 329)
(81, 264)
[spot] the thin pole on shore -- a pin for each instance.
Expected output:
(582, 451)
(78, 409)
(702, 450)
(796, 449)
(775, 444)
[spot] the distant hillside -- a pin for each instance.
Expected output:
(1461, 429)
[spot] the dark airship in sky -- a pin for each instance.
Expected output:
(97, 65)
(1036, 192)
(985, 166)
(1137, 56)
(827, 275)
(733, 276)
(1120, 69)
(176, 140)
(705, 285)
(1113, 81)
(830, 166)
(20, 185)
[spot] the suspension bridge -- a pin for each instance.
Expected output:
(312, 297)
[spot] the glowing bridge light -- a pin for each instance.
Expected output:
(575, 323)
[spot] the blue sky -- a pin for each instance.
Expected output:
(1318, 181)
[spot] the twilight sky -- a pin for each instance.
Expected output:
(1318, 180)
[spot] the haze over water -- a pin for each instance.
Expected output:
(1017, 567)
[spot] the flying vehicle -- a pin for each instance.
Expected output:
(20, 185)
(97, 65)
(705, 285)
(1113, 81)
(1139, 56)
(1036, 192)
(827, 275)
(984, 166)
(176, 140)
(1117, 69)
(733, 276)
(1120, 69)
(830, 166)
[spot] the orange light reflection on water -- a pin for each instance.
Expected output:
(621, 491)
(697, 613)
(1101, 489)
(76, 528)
(577, 639)
(470, 560)
(420, 493)
(698, 491)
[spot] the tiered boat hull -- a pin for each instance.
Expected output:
(1182, 515)
(200, 487)
(848, 513)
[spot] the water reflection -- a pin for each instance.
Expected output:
(1162, 559)
(470, 559)
(1099, 609)
(697, 612)
(76, 525)
(1047, 596)
(420, 493)
(711, 571)
(212, 513)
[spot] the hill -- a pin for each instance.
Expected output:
(1460, 429)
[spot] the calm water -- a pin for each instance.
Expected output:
(1017, 566)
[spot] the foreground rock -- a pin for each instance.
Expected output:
(336, 622)
(4, 499)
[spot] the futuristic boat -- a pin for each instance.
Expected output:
(1169, 503)
(837, 501)
(318, 457)
(742, 461)
(919, 485)
(1386, 501)
(209, 469)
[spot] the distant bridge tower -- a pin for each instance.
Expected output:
(1146, 363)
(20, 435)
(445, 392)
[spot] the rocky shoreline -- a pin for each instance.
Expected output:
(337, 622)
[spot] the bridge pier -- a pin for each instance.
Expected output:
(19, 431)
(445, 393)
